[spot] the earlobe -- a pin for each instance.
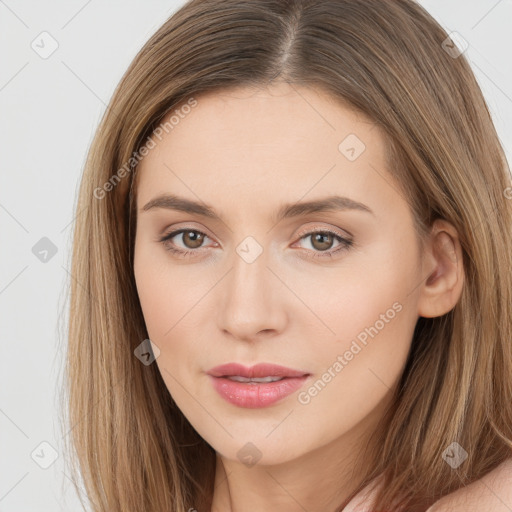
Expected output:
(443, 265)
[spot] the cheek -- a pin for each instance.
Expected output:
(372, 313)
(157, 291)
(151, 289)
(369, 289)
(164, 302)
(368, 311)
(162, 290)
(172, 300)
(357, 369)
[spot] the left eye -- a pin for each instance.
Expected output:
(322, 242)
(192, 239)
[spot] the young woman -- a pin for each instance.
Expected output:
(292, 270)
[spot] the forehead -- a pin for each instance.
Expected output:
(256, 142)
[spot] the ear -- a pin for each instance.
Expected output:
(442, 263)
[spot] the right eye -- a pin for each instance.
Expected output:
(192, 238)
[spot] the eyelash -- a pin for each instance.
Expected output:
(345, 243)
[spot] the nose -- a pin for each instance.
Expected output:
(253, 300)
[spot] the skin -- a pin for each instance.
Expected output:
(492, 493)
(245, 152)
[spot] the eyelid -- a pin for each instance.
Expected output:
(345, 239)
(304, 231)
(186, 226)
(320, 229)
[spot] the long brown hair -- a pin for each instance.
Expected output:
(389, 60)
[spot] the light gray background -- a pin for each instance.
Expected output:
(50, 109)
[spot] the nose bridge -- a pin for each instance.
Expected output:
(250, 302)
(250, 275)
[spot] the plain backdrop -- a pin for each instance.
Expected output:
(50, 107)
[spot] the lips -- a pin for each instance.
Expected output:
(258, 386)
(260, 370)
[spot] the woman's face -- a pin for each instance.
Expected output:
(328, 291)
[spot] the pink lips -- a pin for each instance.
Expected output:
(255, 395)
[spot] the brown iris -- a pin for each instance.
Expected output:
(322, 237)
(194, 238)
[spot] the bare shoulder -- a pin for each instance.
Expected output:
(492, 493)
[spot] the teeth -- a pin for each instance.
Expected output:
(237, 378)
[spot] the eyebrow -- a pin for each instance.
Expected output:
(326, 204)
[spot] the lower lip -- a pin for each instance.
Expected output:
(258, 394)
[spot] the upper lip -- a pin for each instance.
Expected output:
(258, 370)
